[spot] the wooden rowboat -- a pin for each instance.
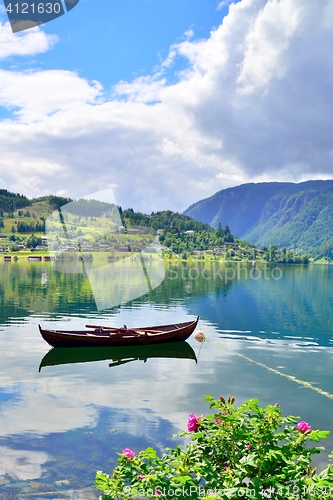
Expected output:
(117, 355)
(110, 336)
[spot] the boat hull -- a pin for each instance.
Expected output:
(113, 337)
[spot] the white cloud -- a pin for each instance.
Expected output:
(266, 43)
(31, 42)
(144, 89)
(222, 4)
(35, 96)
(254, 103)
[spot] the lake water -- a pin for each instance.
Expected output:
(269, 332)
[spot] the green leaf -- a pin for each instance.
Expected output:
(323, 434)
(183, 479)
(149, 453)
(199, 435)
(250, 459)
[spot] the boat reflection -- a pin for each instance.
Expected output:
(118, 355)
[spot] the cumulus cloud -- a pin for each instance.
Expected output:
(35, 95)
(32, 42)
(253, 103)
(266, 44)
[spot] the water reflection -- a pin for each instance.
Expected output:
(21, 464)
(265, 336)
(118, 355)
(63, 465)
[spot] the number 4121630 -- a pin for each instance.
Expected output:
(34, 8)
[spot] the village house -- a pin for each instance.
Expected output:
(217, 251)
(86, 245)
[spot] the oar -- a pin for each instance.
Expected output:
(106, 327)
(125, 329)
(122, 362)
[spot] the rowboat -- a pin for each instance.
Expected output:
(117, 355)
(101, 336)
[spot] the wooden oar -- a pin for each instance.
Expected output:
(125, 329)
(106, 327)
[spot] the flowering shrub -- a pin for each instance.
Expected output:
(244, 452)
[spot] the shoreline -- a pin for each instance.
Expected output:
(100, 256)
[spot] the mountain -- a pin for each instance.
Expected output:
(298, 216)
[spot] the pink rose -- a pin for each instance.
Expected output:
(141, 476)
(128, 453)
(303, 427)
(277, 405)
(192, 424)
(226, 467)
(248, 446)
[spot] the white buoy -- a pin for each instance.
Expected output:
(199, 336)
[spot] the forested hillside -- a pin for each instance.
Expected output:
(295, 216)
(11, 201)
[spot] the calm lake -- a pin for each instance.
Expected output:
(62, 418)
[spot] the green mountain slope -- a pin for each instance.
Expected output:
(239, 207)
(298, 216)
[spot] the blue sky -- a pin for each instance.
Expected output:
(113, 40)
(167, 101)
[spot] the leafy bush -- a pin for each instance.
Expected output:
(245, 453)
